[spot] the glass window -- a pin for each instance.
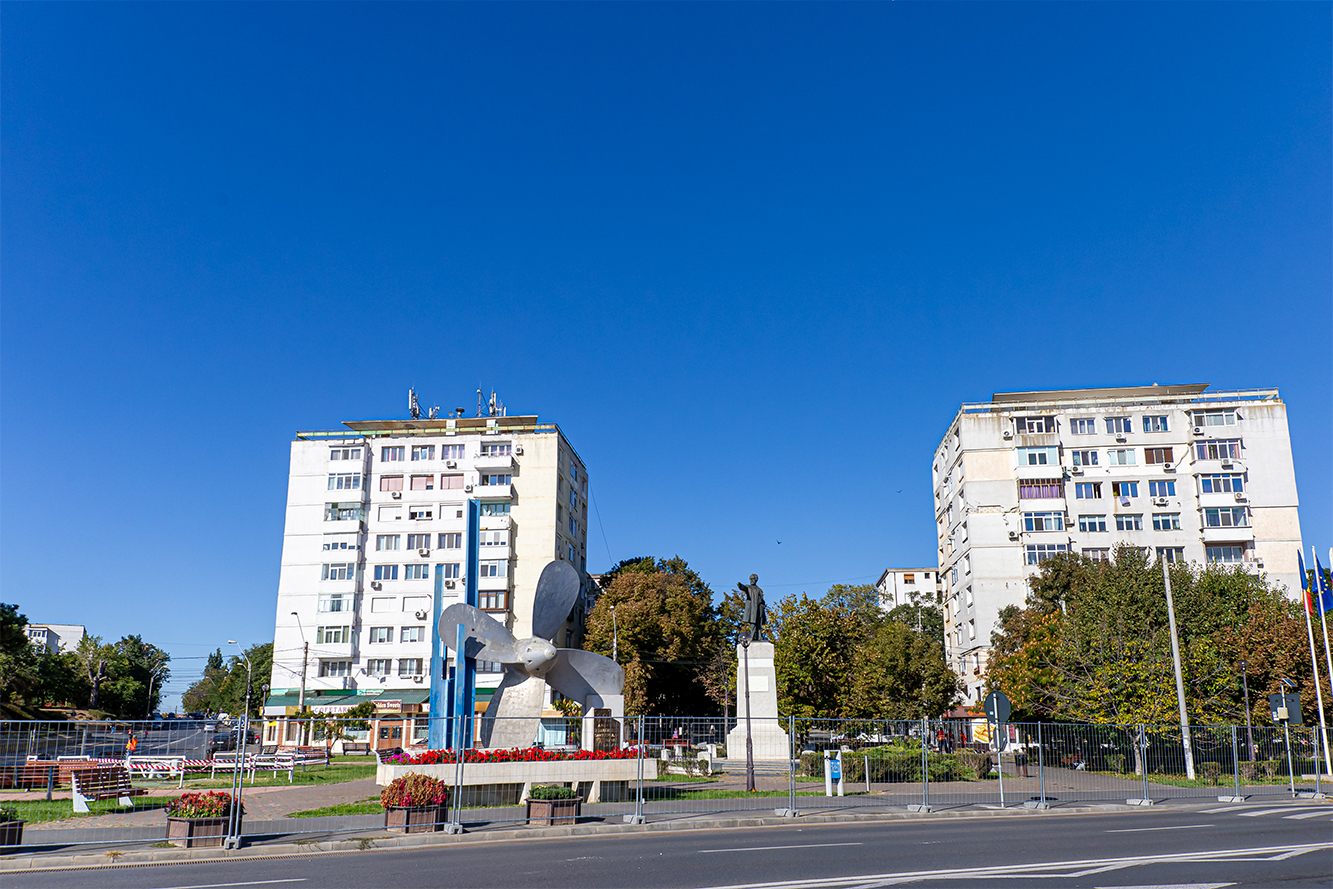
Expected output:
(496, 479)
(1038, 456)
(385, 542)
(1124, 490)
(1098, 554)
(450, 570)
(1040, 489)
(1158, 455)
(451, 452)
(1166, 521)
(343, 512)
(1155, 424)
(1129, 522)
(381, 634)
(1221, 484)
(451, 482)
(1083, 425)
(493, 568)
(391, 483)
(346, 541)
(418, 541)
(332, 635)
(1162, 488)
(1120, 457)
(335, 668)
(416, 572)
(386, 572)
(393, 455)
(1085, 458)
(1225, 554)
(345, 454)
(494, 509)
(1092, 523)
(1226, 517)
(1088, 491)
(335, 602)
(412, 634)
(1171, 553)
(1119, 425)
(339, 571)
(420, 513)
(1038, 553)
(378, 666)
(1043, 521)
(423, 483)
(497, 449)
(451, 540)
(344, 481)
(1035, 425)
(1219, 449)
(409, 666)
(1214, 418)
(423, 452)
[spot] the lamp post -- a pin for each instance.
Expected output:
(238, 772)
(305, 660)
(1185, 741)
(152, 676)
(1245, 683)
(615, 637)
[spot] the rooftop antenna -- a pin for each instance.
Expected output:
(413, 409)
(493, 407)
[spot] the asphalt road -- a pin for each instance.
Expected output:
(1287, 844)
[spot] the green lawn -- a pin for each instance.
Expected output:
(40, 811)
(336, 773)
(370, 806)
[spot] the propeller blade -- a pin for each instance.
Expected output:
(513, 716)
(578, 674)
(496, 643)
(557, 588)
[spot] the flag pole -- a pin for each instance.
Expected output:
(1323, 623)
(1308, 592)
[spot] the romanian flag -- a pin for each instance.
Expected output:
(1307, 598)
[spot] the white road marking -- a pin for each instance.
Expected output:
(1229, 809)
(1303, 816)
(1173, 886)
(1173, 827)
(771, 848)
(1283, 809)
(247, 883)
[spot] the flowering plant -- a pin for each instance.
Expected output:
(213, 804)
(413, 790)
(514, 754)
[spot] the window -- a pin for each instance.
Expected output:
(1092, 523)
(1083, 425)
(344, 453)
(493, 568)
(1226, 517)
(497, 449)
(1088, 491)
(343, 512)
(423, 452)
(409, 666)
(340, 541)
(451, 540)
(1098, 554)
(1171, 553)
(1120, 457)
(1225, 554)
(1219, 449)
(378, 666)
(450, 570)
(1038, 456)
(344, 481)
(972, 629)
(1158, 455)
(494, 600)
(1221, 484)
(451, 482)
(494, 509)
(490, 667)
(1166, 521)
(335, 668)
(383, 604)
(909, 579)
(1085, 458)
(1162, 488)
(420, 513)
(393, 455)
(1035, 425)
(1124, 490)
(391, 483)
(1043, 521)
(412, 634)
(1129, 522)
(496, 479)
(386, 572)
(573, 526)
(1036, 554)
(1156, 424)
(386, 733)
(391, 513)
(423, 483)
(416, 572)
(1215, 418)
(1040, 489)
(339, 571)
(573, 501)
(413, 604)
(335, 602)
(333, 635)
(381, 634)
(1119, 426)
(451, 452)
(493, 538)
(384, 542)
(418, 541)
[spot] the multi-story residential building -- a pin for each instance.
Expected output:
(373, 513)
(1174, 470)
(907, 586)
(53, 638)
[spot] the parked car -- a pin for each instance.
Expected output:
(221, 741)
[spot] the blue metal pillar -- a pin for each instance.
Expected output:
(436, 736)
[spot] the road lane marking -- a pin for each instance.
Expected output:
(1283, 809)
(771, 848)
(1173, 827)
(247, 883)
(1305, 815)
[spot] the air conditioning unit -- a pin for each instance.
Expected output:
(467, 487)
(451, 464)
(1121, 439)
(1007, 434)
(1167, 467)
(1227, 464)
(450, 584)
(397, 495)
(518, 449)
(1013, 535)
(1076, 470)
(1241, 498)
(1160, 501)
(1197, 430)
(423, 553)
(418, 678)
(376, 585)
(421, 615)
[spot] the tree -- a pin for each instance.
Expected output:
(222, 688)
(136, 672)
(18, 661)
(814, 646)
(338, 726)
(900, 673)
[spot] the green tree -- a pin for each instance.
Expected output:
(18, 661)
(136, 671)
(813, 649)
(330, 727)
(900, 673)
(222, 688)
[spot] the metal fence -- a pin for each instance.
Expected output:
(611, 770)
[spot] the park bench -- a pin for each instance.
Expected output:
(355, 748)
(103, 782)
(39, 773)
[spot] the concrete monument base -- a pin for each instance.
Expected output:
(766, 730)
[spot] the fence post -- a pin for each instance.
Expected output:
(1041, 767)
(637, 817)
(792, 757)
(924, 806)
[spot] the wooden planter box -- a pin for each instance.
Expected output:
(196, 832)
(11, 834)
(554, 811)
(414, 819)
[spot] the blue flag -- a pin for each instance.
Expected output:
(1325, 597)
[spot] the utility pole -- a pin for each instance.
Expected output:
(305, 661)
(1180, 682)
(1245, 683)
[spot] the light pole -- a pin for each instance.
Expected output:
(305, 660)
(615, 637)
(1180, 682)
(238, 773)
(1245, 683)
(152, 676)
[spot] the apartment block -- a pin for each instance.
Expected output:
(1177, 471)
(906, 586)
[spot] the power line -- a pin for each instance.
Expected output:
(609, 561)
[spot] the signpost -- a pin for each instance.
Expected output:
(1286, 709)
(997, 709)
(832, 771)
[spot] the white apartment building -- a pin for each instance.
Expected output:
(373, 511)
(53, 638)
(1180, 472)
(904, 586)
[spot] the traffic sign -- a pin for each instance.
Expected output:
(1285, 708)
(997, 707)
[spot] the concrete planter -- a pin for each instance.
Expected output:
(509, 783)
(414, 819)
(11, 834)
(549, 812)
(196, 832)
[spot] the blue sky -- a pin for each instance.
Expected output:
(750, 257)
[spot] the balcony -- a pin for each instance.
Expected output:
(1229, 535)
(493, 492)
(489, 463)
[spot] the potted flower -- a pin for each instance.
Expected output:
(200, 819)
(11, 828)
(414, 803)
(553, 804)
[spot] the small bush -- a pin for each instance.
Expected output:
(1116, 762)
(1212, 771)
(975, 763)
(553, 791)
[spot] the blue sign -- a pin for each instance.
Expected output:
(835, 768)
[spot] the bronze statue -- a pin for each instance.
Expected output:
(756, 614)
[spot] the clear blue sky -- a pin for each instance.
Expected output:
(750, 257)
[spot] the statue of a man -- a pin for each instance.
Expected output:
(756, 614)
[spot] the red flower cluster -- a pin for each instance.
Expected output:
(213, 804)
(413, 790)
(515, 754)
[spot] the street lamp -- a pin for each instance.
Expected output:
(1245, 683)
(238, 775)
(615, 637)
(305, 660)
(153, 674)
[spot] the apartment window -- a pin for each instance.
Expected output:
(413, 604)
(385, 542)
(1035, 425)
(1226, 517)
(497, 449)
(416, 572)
(420, 513)
(1083, 425)
(343, 512)
(1120, 457)
(344, 453)
(335, 668)
(496, 479)
(1085, 458)
(386, 572)
(1092, 523)
(1040, 489)
(494, 600)
(1221, 484)
(1038, 456)
(1038, 553)
(1214, 418)
(1156, 424)
(344, 481)
(493, 538)
(378, 666)
(451, 452)
(1171, 553)
(391, 513)
(1098, 554)
(381, 634)
(412, 634)
(1162, 488)
(409, 666)
(393, 455)
(1124, 490)
(340, 541)
(423, 452)
(1158, 455)
(1129, 522)
(450, 570)
(339, 571)
(1219, 449)
(494, 509)
(1043, 521)
(571, 554)
(451, 540)
(418, 541)
(1088, 491)
(423, 483)
(971, 630)
(383, 604)
(1166, 521)
(1119, 425)
(1226, 555)
(333, 635)
(451, 482)
(573, 526)
(335, 602)
(387, 733)
(493, 568)
(391, 483)
(573, 501)
(909, 579)
(490, 667)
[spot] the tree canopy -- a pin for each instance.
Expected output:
(222, 687)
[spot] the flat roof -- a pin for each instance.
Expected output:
(1085, 394)
(441, 424)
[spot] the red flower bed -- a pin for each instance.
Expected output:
(514, 754)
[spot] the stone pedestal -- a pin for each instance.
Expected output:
(603, 722)
(768, 733)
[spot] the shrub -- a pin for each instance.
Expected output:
(9, 813)
(212, 804)
(553, 791)
(414, 791)
(976, 764)
(1116, 761)
(1212, 771)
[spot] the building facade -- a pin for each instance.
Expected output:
(908, 586)
(53, 638)
(373, 512)
(1180, 472)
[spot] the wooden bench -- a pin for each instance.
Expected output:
(103, 782)
(354, 748)
(35, 773)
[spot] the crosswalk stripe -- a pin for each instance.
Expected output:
(1310, 815)
(1283, 809)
